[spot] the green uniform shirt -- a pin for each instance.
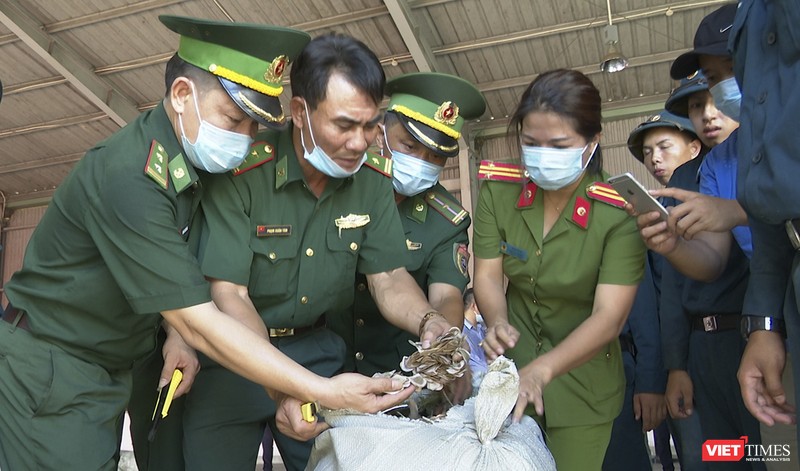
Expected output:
(436, 252)
(297, 254)
(552, 284)
(111, 251)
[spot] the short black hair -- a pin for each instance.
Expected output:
(469, 296)
(177, 67)
(390, 119)
(336, 53)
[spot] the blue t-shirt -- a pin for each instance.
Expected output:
(718, 178)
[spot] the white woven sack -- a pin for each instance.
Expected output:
(372, 442)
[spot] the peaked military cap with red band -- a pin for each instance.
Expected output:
(248, 59)
(433, 107)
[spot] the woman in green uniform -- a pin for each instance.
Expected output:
(573, 262)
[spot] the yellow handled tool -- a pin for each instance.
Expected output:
(164, 400)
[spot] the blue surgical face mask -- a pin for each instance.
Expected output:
(320, 160)
(215, 150)
(411, 175)
(553, 169)
(727, 97)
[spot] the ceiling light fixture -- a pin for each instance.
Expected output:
(613, 61)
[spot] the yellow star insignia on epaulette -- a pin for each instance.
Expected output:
(157, 166)
(379, 163)
(260, 153)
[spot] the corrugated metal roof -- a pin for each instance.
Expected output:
(47, 120)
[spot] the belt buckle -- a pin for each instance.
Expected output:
(281, 332)
(791, 231)
(710, 323)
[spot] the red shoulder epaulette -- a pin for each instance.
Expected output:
(500, 171)
(605, 193)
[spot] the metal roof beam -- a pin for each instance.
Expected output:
(38, 164)
(574, 26)
(56, 123)
(68, 63)
(410, 32)
(97, 17)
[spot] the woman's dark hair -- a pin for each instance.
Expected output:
(569, 94)
(336, 53)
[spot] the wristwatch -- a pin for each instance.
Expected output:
(751, 324)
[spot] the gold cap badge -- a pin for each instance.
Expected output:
(447, 113)
(276, 69)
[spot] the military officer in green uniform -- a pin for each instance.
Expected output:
(422, 126)
(282, 240)
(573, 264)
(111, 253)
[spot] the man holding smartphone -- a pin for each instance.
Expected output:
(713, 305)
(662, 143)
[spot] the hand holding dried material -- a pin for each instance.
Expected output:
(443, 362)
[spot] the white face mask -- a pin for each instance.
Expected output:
(727, 97)
(411, 175)
(320, 160)
(215, 150)
(553, 169)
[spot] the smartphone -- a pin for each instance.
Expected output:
(634, 193)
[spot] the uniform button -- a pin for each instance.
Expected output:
(535, 301)
(272, 256)
(757, 158)
(538, 344)
(310, 252)
(359, 356)
(608, 355)
(304, 300)
(353, 246)
(771, 38)
(360, 322)
(762, 98)
(538, 254)
(362, 286)
(531, 280)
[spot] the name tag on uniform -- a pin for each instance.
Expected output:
(274, 231)
(512, 251)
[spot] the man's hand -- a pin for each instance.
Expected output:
(701, 212)
(178, 355)
(680, 394)
(363, 394)
(290, 420)
(345, 391)
(499, 338)
(760, 379)
(433, 328)
(650, 408)
(655, 233)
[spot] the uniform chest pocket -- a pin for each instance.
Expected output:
(274, 264)
(343, 253)
(415, 259)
